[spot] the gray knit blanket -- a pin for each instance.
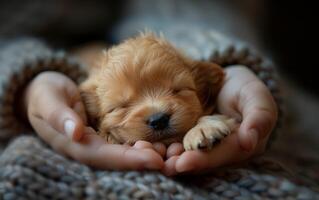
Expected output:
(31, 170)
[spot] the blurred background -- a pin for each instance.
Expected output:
(285, 31)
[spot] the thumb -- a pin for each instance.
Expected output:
(55, 107)
(259, 116)
(255, 127)
(67, 121)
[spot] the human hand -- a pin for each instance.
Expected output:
(245, 98)
(54, 108)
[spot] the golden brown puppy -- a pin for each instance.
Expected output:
(145, 89)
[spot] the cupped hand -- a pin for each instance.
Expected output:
(54, 108)
(245, 98)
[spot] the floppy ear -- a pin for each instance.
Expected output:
(208, 78)
(90, 100)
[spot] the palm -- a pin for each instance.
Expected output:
(245, 98)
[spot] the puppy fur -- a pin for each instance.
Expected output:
(146, 75)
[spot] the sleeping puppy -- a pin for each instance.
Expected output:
(145, 89)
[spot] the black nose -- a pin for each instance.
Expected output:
(158, 121)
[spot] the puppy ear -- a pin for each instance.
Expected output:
(208, 78)
(90, 99)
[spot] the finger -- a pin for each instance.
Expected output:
(141, 144)
(174, 149)
(169, 167)
(160, 148)
(124, 158)
(66, 121)
(120, 157)
(91, 139)
(94, 152)
(78, 107)
(54, 107)
(227, 152)
(247, 99)
(259, 115)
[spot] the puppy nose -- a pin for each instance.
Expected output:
(158, 121)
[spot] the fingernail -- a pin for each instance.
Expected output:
(69, 127)
(253, 134)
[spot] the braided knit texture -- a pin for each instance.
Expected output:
(27, 173)
(20, 62)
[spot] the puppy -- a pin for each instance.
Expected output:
(145, 89)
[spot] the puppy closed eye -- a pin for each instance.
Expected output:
(117, 108)
(183, 90)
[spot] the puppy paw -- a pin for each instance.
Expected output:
(208, 132)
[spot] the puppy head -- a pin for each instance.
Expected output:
(144, 89)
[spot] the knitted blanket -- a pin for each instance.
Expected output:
(31, 170)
